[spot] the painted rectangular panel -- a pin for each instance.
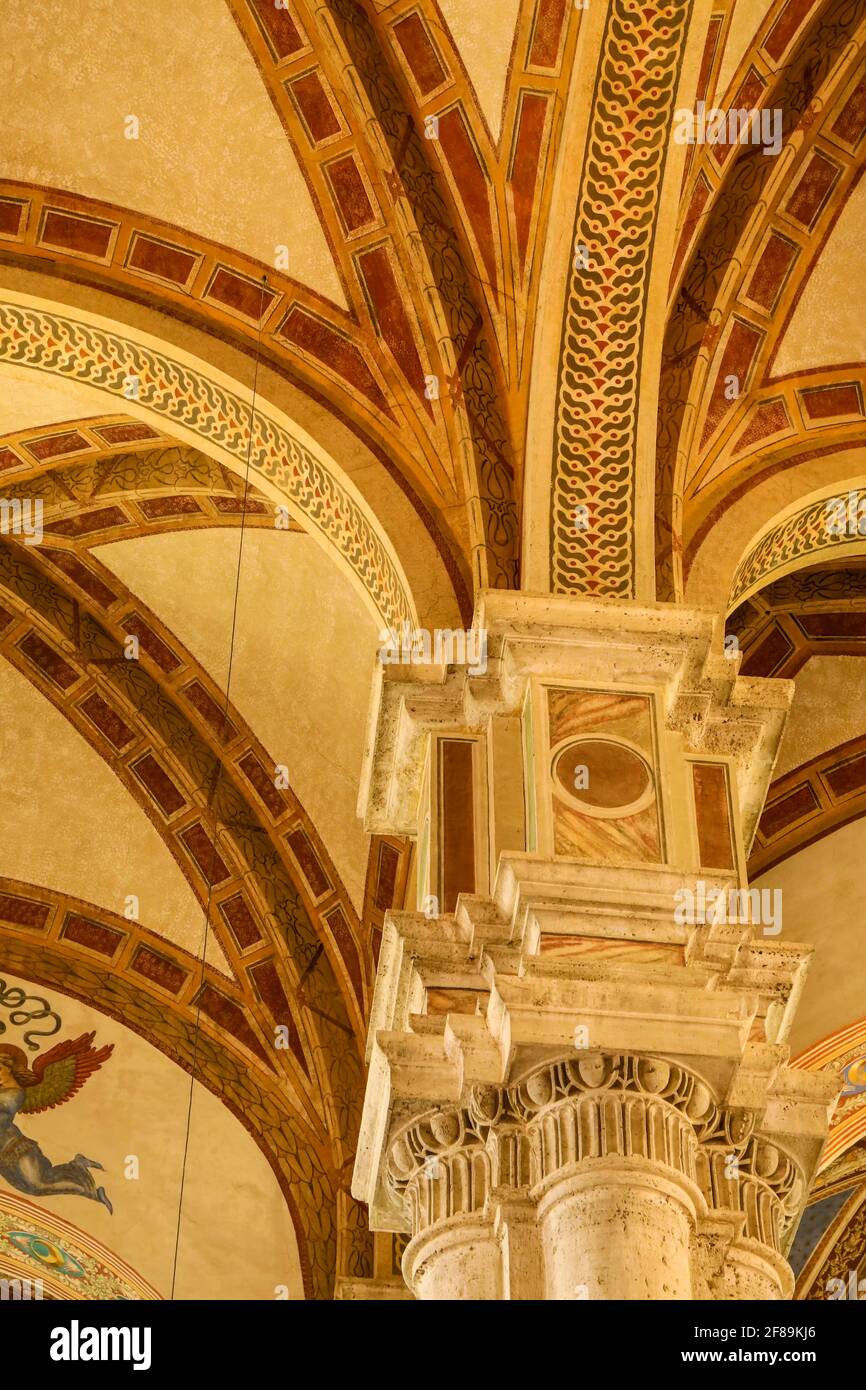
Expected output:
(204, 852)
(813, 190)
(279, 27)
(212, 712)
(345, 944)
(770, 653)
(386, 879)
(263, 781)
(832, 402)
(160, 786)
(847, 777)
(78, 572)
(524, 167)
(457, 820)
(833, 627)
(785, 810)
(469, 175)
(713, 815)
(392, 321)
(737, 357)
(107, 722)
(155, 508)
(604, 802)
(770, 417)
(52, 446)
(125, 433)
(771, 271)
(266, 980)
(155, 648)
(786, 26)
(714, 29)
(161, 259)
(700, 195)
(547, 33)
(226, 1014)
(851, 121)
(314, 107)
(87, 236)
(48, 661)
(748, 98)
(350, 194)
(419, 52)
(317, 338)
(235, 506)
(23, 912)
(241, 921)
(240, 294)
(11, 216)
(87, 523)
(302, 848)
(159, 969)
(94, 936)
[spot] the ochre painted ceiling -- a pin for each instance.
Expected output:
(352, 265)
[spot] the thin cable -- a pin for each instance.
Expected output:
(213, 791)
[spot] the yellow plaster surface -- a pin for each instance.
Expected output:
(68, 823)
(824, 905)
(211, 153)
(828, 327)
(483, 35)
(304, 656)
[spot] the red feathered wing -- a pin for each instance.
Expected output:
(63, 1071)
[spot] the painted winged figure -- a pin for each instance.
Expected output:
(52, 1080)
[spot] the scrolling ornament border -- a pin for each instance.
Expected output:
(595, 433)
(804, 536)
(65, 347)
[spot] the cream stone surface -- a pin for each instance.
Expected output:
(570, 1135)
(305, 650)
(136, 1106)
(72, 826)
(199, 134)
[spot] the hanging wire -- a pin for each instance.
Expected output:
(215, 781)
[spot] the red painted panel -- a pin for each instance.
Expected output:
(418, 50)
(472, 185)
(391, 316)
(524, 168)
(315, 337)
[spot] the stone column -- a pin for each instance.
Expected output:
(578, 1081)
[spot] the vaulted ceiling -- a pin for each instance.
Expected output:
(316, 318)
